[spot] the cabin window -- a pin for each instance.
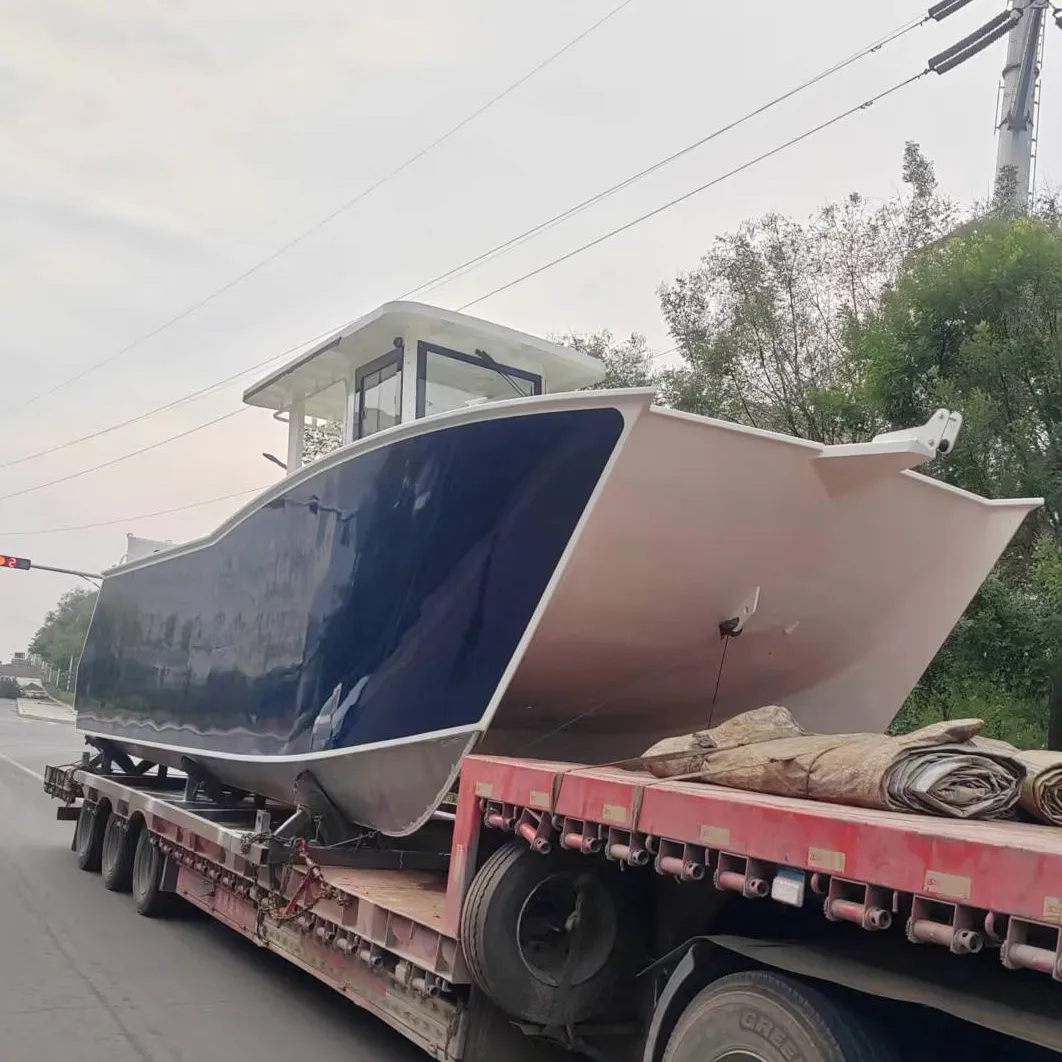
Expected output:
(378, 395)
(448, 379)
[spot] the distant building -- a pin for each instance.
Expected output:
(21, 668)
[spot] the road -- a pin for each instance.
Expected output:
(83, 977)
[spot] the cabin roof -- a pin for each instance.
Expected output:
(331, 360)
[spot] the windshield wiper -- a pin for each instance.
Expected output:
(491, 363)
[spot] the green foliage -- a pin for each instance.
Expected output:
(63, 633)
(762, 323)
(975, 324)
(628, 363)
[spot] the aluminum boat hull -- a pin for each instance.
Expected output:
(539, 577)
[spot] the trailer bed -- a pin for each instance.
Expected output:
(389, 938)
(1001, 880)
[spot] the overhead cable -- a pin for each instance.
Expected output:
(136, 516)
(627, 226)
(123, 457)
(578, 208)
(166, 407)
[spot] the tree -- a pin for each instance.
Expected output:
(62, 635)
(320, 437)
(628, 362)
(762, 322)
(975, 323)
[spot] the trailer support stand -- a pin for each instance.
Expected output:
(199, 777)
(333, 828)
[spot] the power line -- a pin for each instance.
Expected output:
(515, 241)
(202, 392)
(123, 457)
(696, 191)
(536, 230)
(534, 272)
(284, 248)
(137, 516)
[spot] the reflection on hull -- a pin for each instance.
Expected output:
(358, 620)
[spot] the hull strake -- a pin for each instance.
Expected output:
(374, 603)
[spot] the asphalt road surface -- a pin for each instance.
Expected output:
(83, 977)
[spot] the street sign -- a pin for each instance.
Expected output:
(22, 563)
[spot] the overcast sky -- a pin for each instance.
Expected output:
(150, 153)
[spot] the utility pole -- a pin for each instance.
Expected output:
(1019, 96)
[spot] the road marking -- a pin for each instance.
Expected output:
(22, 767)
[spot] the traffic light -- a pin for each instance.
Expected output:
(22, 563)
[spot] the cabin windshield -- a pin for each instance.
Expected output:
(448, 379)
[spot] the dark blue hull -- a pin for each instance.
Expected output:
(376, 600)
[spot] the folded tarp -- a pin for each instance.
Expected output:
(1041, 792)
(937, 770)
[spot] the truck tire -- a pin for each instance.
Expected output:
(529, 951)
(148, 866)
(770, 1018)
(88, 836)
(119, 848)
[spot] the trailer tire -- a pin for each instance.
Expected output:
(762, 1015)
(88, 836)
(119, 849)
(148, 866)
(500, 915)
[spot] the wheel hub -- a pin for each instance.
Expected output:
(567, 929)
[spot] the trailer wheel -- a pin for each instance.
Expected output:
(88, 836)
(550, 940)
(148, 866)
(758, 1016)
(119, 849)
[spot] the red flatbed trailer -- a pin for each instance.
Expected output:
(741, 922)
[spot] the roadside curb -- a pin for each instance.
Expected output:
(46, 711)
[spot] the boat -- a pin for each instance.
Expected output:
(500, 556)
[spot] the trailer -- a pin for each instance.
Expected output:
(552, 908)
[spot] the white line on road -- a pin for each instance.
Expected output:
(22, 767)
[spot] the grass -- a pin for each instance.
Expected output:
(60, 695)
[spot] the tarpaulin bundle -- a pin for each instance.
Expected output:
(937, 770)
(1041, 792)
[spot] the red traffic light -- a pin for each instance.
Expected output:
(22, 563)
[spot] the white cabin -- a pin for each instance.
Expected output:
(406, 360)
(136, 548)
